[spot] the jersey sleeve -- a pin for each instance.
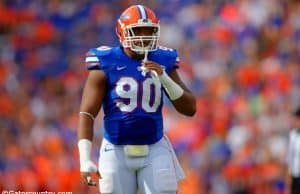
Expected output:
(96, 58)
(177, 61)
(91, 60)
(171, 59)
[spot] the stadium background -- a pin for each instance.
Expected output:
(239, 57)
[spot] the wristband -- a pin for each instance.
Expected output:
(85, 148)
(86, 164)
(172, 88)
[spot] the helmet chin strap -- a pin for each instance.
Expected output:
(146, 56)
(153, 74)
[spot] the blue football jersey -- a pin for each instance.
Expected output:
(133, 102)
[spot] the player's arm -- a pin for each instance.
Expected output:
(183, 100)
(186, 103)
(93, 94)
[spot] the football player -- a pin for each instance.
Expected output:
(129, 82)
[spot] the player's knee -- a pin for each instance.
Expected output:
(106, 183)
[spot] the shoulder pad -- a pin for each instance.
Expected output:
(102, 50)
(170, 52)
(167, 57)
(94, 56)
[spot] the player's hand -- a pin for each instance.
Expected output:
(87, 169)
(152, 66)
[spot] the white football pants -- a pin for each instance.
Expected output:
(156, 173)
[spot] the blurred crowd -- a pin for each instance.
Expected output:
(241, 58)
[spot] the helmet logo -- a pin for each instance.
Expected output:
(124, 17)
